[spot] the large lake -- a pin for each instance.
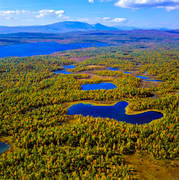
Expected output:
(3, 147)
(116, 111)
(97, 86)
(42, 48)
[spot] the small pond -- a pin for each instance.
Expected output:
(154, 80)
(115, 69)
(143, 77)
(69, 66)
(63, 71)
(116, 111)
(148, 79)
(97, 86)
(3, 147)
(127, 72)
(112, 69)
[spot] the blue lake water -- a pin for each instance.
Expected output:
(112, 69)
(69, 66)
(3, 147)
(63, 71)
(154, 80)
(97, 86)
(127, 72)
(143, 77)
(43, 48)
(115, 69)
(148, 79)
(116, 111)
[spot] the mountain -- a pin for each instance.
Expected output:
(101, 27)
(60, 27)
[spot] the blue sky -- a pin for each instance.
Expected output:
(137, 13)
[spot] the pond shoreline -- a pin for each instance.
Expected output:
(128, 111)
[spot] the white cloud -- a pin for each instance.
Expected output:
(106, 18)
(167, 4)
(26, 17)
(118, 20)
(47, 12)
(60, 13)
(171, 8)
(6, 13)
(91, 1)
(49, 16)
(38, 14)
(110, 21)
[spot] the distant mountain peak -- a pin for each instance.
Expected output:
(102, 27)
(99, 24)
(58, 27)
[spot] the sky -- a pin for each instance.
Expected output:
(135, 13)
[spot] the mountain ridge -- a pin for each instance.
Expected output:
(59, 27)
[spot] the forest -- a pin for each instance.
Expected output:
(45, 142)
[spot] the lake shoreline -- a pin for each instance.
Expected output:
(128, 111)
